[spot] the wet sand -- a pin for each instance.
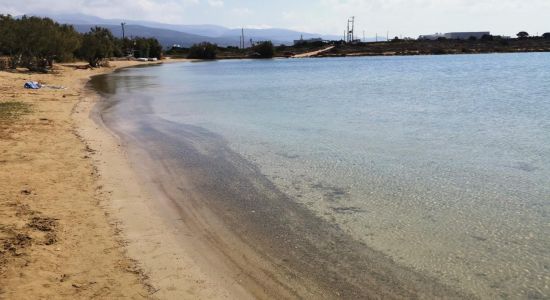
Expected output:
(242, 233)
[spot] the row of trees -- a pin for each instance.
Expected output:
(35, 43)
(525, 34)
(209, 51)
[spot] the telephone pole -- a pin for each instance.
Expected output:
(123, 30)
(351, 30)
(242, 38)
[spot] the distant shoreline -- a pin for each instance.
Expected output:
(396, 48)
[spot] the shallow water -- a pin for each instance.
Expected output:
(440, 162)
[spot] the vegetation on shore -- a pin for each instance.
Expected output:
(35, 43)
(203, 51)
(487, 44)
(212, 51)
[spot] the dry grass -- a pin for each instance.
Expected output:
(13, 109)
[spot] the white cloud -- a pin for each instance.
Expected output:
(408, 17)
(242, 11)
(216, 3)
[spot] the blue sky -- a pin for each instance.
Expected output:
(399, 17)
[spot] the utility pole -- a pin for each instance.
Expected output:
(350, 35)
(347, 33)
(364, 39)
(123, 30)
(242, 38)
(387, 36)
(124, 38)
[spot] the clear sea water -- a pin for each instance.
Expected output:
(440, 162)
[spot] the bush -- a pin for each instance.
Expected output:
(203, 51)
(523, 35)
(35, 43)
(487, 37)
(147, 47)
(437, 51)
(97, 45)
(264, 50)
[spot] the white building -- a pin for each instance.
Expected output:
(455, 35)
(466, 35)
(431, 37)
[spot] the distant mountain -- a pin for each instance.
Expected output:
(185, 35)
(166, 37)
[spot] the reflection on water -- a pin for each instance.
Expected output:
(443, 162)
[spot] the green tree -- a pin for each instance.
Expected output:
(264, 50)
(35, 42)
(147, 47)
(97, 45)
(523, 35)
(487, 37)
(203, 51)
(155, 48)
(9, 39)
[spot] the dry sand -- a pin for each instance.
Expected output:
(313, 53)
(73, 218)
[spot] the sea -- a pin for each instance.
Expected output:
(441, 163)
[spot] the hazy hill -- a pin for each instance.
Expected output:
(166, 37)
(169, 34)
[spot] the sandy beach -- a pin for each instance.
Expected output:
(60, 233)
(57, 239)
(76, 221)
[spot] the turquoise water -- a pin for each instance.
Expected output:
(441, 162)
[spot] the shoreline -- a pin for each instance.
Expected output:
(275, 249)
(168, 261)
(59, 235)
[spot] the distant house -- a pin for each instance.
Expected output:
(431, 37)
(466, 35)
(302, 41)
(455, 35)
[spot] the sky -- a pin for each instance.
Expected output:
(398, 17)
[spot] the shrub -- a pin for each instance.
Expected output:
(264, 50)
(437, 51)
(97, 45)
(203, 51)
(147, 47)
(523, 34)
(35, 42)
